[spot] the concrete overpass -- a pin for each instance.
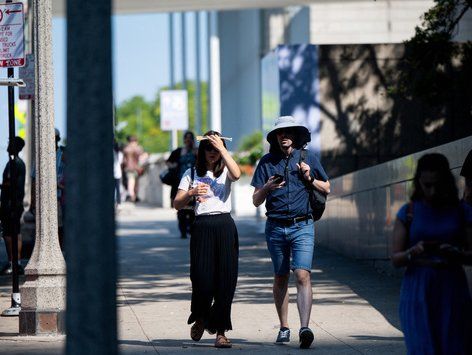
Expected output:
(142, 6)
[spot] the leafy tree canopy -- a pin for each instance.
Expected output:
(432, 61)
(139, 117)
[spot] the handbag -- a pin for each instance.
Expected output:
(170, 176)
(317, 199)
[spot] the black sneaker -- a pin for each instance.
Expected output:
(306, 337)
(283, 336)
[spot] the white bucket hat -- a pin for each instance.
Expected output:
(302, 136)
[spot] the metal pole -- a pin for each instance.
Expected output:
(215, 73)
(91, 320)
(183, 37)
(171, 51)
(15, 301)
(13, 173)
(208, 33)
(198, 98)
(173, 135)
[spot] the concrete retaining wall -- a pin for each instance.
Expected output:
(361, 210)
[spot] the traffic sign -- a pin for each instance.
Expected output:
(174, 110)
(12, 42)
(27, 74)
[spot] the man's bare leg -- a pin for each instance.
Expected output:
(281, 298)
(304, 296)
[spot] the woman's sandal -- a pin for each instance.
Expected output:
(222, 342)
(197, 329)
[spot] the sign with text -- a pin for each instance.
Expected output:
(27, 74)
(12, 43)
(174, 110)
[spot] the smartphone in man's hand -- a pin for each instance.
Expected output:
(278, 178)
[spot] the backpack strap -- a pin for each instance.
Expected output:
(192, 176)
(302, 158)
(409, 219)
(310, 191)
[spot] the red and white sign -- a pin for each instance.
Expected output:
(12, 41)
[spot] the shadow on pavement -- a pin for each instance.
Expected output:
(151, 254)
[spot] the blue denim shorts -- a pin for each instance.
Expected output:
(297, 240)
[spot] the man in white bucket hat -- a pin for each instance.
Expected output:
(282, 179)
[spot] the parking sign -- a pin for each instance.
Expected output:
(12, 44)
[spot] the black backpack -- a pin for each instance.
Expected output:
(316, 198)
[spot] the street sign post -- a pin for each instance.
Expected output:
(12, 54)
(26, 73)
(174, 110)
(12, 42)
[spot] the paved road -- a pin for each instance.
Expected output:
(355, 308)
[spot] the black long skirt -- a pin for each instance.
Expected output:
(214, 251)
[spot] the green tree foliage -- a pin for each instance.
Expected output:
(432, 62)
(142, 119)
(250, 149)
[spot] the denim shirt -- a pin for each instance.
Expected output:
(292, 199)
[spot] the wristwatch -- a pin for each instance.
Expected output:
(312, 178)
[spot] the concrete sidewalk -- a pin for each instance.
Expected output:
(355, 308)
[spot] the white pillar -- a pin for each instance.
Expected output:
(173, 137)
(198, 97)
(215, 82)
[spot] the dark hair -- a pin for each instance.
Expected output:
(131, 138)
(200, 165)
(17, 144)
(447, 194)
(189, 133)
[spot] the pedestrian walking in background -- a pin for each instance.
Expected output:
(60, 169)
(466, 172)
(182, 159)
(10, 215)
(132, 156)
(117, 172)
(283, 181)
(214, 245)
(432, 237)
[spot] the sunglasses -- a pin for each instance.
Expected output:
(209, 148)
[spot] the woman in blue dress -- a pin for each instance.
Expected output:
(433, 238)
